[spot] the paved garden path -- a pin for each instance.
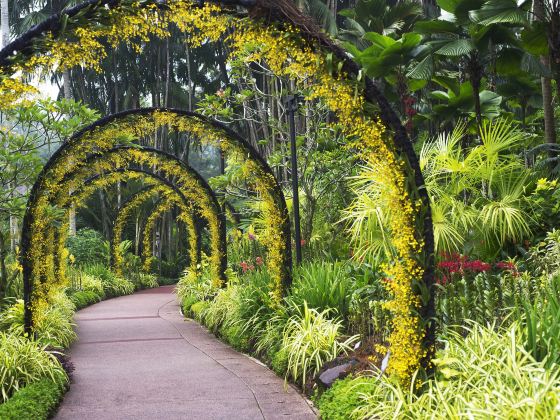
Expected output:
(137, 358)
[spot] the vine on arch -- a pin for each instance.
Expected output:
(37, 259)
(137, 200)
(292, 48)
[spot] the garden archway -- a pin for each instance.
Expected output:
(192, 186)
(139, 122)
(162, 187)
(292, 47)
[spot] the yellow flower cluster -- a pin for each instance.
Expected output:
(287, 55)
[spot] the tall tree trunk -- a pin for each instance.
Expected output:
(546, 86)
(3, 270)
(4, 23)
(67, 89)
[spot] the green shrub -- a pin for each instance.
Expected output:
(323, 286)
(541, 324)
(144, 281)
(487, 374)
(166, 281)
(198, 309)
(279, 361)
(222, 309)
(88, 247)
(84, 298)
(236, 337)
(22, 362)
(37, 401)
(187, 302)
(311, 339)
(112, 284)
(53, 327)
(80, 280)
(197, 285)
(256, 311)
(345, 396)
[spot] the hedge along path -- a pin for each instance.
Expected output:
(275, 34)
(256, 171)
(128, 158)
(162, 187)
(137, 200)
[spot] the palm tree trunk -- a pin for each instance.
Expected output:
(4, 23)
(546, 86)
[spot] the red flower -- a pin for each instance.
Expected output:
(508, 266)
(251, 236)
(244, 266)
(302, 242)
(259, 261)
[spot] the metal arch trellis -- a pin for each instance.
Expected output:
(283, 11)
(265, 173)
(162, 186)
(27, 240)
(217, 214)
(160, 208)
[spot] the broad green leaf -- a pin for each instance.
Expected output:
(533, 39)
(456, 48)
(423, 70)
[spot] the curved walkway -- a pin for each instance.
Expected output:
(138, 358)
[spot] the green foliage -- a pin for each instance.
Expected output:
(143, 280)
(22, 362)
(345, 396)
(197, 310)
(541, 324)
(88, 247)
(486, 297)
(53, 328)
(193, 286)
(478, 194)
(37, 401)
(83, 298)
(112, 284)
(311, 339)
(323, 286)
(470, 369)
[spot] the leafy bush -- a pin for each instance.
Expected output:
(80, 280)
(36, 401)
(323, 286)
(541, 325)
(53, 327)
(488, 296)
(22, 362)
(310, 340)
(112, 284)
(88, 247)
(345, 396)
(83, 298)
(221, 310)
(143, 280)
(488, 374)
(236, 337)
(197, 310)
(196, 287)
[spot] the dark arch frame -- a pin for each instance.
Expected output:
(285, 12)
(275, 191)
(26, 260)
(162, 182)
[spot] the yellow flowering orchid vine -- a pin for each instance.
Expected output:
(289, 44)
